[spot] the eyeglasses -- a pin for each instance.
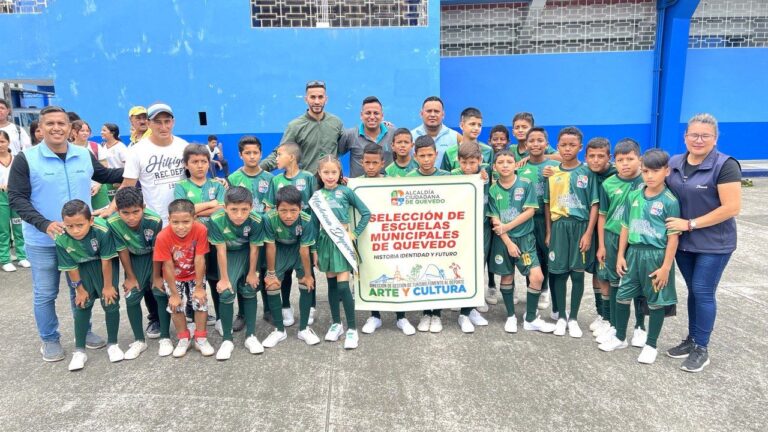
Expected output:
(696, 137)
(313, 84)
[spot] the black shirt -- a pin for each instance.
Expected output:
(729, 173)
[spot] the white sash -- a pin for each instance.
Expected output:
(333, 227)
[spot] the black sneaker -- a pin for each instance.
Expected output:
(239, 323)
(153, 329)
(697, 360)
(682, 350)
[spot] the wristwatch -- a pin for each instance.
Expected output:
(691, 224)
(75, 284)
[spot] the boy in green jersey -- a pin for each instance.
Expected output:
(425, 154)
(522, 122)
(511, 205)
(85, 251)
(646, 260)
(236, 234)
(471, 124)
(402, 144)
(570, 210)
(373, 161)
(134, 230)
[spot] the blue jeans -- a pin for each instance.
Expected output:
(702, 272)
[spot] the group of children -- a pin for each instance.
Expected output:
(547, 214)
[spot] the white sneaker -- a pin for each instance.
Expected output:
(612, 344)
(225, 350)
(491, 296)
(371, 324)
(596, 323)
(477, 319)
(12, 268)
(181, 348)
(606, 335)
(539, 325)
(253, 345)
(350, 339)
(219, 329)
(334, 332)
(205, 348)
(560, 327)
(647, 355)
(483, 308)
(308, 335)
(602, 328)
(543, 300)
(78, 361)
(639, 336)
(166, 348)
(288, 317)
(312, 312)
(466, 324)
(134, 350)
(115, 353)
(574, 330)
(274, 338)
(24, 263)
(424, 323)
(511, 325)
(435, 324)
(554, 316)
(405, 325)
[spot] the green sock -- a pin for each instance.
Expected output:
(333, 300)
(508, 294)
(598, 301)
(655, 322)
(606, 302)
(305, 303)
(532, 304)
(135, 318)
(400, 315)
(560, 282)
(163, 316)
(639, 315)
(276, 309)
(622, 318)
(250, 305)
(227, 312)
(82, 318)
(112, 317)
(349, 304)
(612, 295)
(465, 311)
(577, 292)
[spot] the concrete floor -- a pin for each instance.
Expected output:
(486, 381)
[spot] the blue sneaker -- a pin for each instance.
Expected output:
(94, 341)
(52, 351)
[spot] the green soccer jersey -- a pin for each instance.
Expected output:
(571, 193)
(258, 185)
(301, 231)
(96, 245)
(417, 173)
(395, 170)
(646, 218)
(221, 230)
(340, 199)
(304, 182)
(507, 204)
(209, 191)
(603, 176)
(139, 241)
(515, 149)
(451, 156)
(486, 182)
(534, 172)
(613, 200)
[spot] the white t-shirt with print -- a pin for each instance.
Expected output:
(19, 138)
(157, 169)
(116, 156)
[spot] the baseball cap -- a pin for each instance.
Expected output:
(158, 108)
(137, 110)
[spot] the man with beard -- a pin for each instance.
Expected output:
(370, 131)
(432, 114)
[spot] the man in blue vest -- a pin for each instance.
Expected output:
(42, 179)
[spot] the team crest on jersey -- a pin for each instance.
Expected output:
(656, 208)
(94, 245)
(148, 234)
(298, 229)
(263, 186)
(211, 194)
(301, 184)
(498, 259)
(551, 255)
(581, 181)
(527, 171)
(519, 192)
(246, 230)
(338, 194)
(618, 192)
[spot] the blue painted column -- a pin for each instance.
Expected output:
(672, 29)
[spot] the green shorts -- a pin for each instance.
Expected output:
(329, 257)
(564, 254)
(142, 268)
(641, 262)
(93, 283)
(540, 233)
(288, 257)
(607, 271)
(501, 263)
(237, 270)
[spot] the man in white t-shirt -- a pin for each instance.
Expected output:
(156, 161)
(19, 136)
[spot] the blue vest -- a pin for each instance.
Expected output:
(54, 182)
(698, 196)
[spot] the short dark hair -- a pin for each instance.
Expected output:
(314, 84)
(113, 129)
(525, 116)
(599, 143)
(128, 197)
(238, 195)
(469, 150)
(76, 207)
(424, 141)
(5, 135)
(501, 153)
(571, 130)
(212, 138)
(626, 146)
(402, 131)
(288, 194)
(195, 149)
(500, 128)
(432, 99)
(248, 140)
(373, 149)
(5, 103)
(73, 116)
(181, 205)
(537, 129)
(371, 99)
(655, 159)
(470, 112)
(53, 109)
(292, 148)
